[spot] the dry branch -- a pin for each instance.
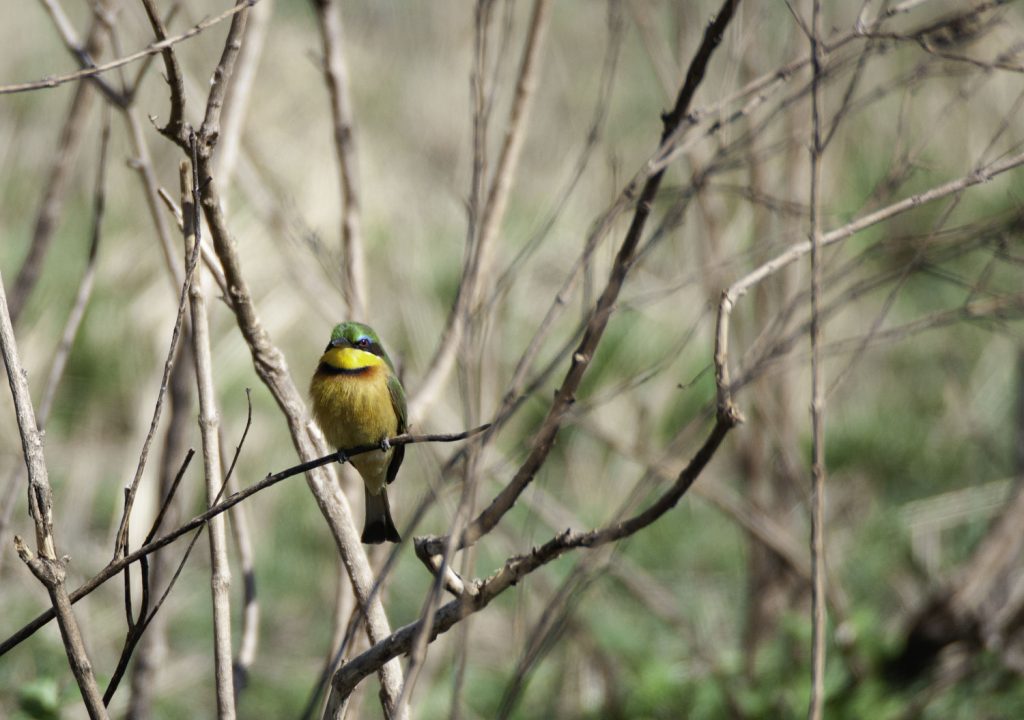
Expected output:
(478, 595)
(816, 703)
(45, 565)
(797, 250)
(220, 571)
(599, 316)
(151, 546)
(353, 253)
(55, 185)
(151, 49)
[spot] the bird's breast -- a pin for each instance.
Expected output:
(355, 409)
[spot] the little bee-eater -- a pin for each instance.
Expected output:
(358, 400)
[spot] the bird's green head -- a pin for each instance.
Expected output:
(355, 346)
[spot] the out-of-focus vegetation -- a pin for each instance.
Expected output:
(691, 617)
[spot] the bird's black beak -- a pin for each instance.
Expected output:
(337, 343)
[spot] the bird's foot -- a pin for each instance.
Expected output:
(385, 444)
(342, 457)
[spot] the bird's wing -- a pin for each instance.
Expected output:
(398, 403)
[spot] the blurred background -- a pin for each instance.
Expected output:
(706, 613)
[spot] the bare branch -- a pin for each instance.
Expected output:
(601, 313)
(209, 131)
(816, 702)
(151, 49)
(200, 520)
(517, 567)
(220, 571)
(740, 288)
(54, 190)
(44, 564)
(354, 287)
(236, 104)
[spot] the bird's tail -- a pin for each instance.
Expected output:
(378, 525)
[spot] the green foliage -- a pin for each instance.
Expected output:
(40, 699)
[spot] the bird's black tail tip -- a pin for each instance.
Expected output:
(374, 533)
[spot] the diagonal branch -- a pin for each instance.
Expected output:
(200, 520)
(492, 212)
(479, 595)
(599, 316)
(151, 49)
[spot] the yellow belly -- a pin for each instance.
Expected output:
(356, 410)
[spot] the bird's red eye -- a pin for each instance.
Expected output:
(363, 343)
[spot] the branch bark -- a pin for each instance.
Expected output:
(220, 571)
(599, 316)
(353, 253)
(44, 564)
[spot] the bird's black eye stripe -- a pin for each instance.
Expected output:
(364, 343)
(370, 346)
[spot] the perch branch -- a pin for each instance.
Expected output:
(198, 521)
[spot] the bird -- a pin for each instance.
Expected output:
(359, 400)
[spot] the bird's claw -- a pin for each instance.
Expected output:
(342, 457)
(385, 444)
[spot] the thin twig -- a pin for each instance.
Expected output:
(242, 533)
(601, 313)
(152, 645)
(137, 627)
(151, 49)
(518, 567)
(200, 520)
(816, 702)
(353, 288)
(236, 104)
(54, 188)
(121, 543)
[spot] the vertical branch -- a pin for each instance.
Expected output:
(71, 326)
(515, 132)
(153, 645)
(220, 573)
(242, 533)
(336, 77)
(54, 187)
(815, 706)
(491, 213)
(236, 105)
(44, 564)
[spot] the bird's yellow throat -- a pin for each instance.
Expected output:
(349, 358)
